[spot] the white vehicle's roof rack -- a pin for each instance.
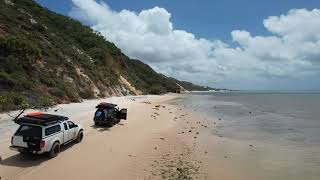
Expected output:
(40, 118)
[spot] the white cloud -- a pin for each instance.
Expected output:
(291, 52)
(297, 25)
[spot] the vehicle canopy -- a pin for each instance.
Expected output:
(40, 119)
(105, 105)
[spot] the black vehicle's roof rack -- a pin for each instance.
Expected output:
(105, 105)
(40, 118)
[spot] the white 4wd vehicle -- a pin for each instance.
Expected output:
(44, 133)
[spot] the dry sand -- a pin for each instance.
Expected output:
(158, 141)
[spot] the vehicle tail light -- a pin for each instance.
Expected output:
(42, 143)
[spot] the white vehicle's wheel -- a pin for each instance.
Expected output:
(79, 137)
(55, 149)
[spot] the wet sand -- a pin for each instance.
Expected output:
(158, 141)
(250, 141)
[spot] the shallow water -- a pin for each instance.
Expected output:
(282, 127)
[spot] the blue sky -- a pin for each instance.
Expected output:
(209, 18)
(236, 43)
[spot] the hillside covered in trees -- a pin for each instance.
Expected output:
(188, 86)
(47, 58)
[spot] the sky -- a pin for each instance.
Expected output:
(261, 45)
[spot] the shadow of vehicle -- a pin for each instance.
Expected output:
(29, 160)
(101, 128)
(24, 160)
(106, 127)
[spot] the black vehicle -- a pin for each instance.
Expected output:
(108, 114)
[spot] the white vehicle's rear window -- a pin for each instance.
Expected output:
(30, 131)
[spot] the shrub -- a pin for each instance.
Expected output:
(20, 100)
(86, 94)
(57, 92)
(47, 80)
(45, 101)
(4, 75)
(5, 81)
(3, 102)
(13, 100)
(22, 80)
(157, 90)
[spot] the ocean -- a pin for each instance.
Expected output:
(282, 129)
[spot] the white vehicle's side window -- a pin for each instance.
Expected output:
(71, 124)
(52, 130)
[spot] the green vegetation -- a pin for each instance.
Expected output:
(193, 87)
(13, 100)
(47, 58)
(149, 81)
(45, 101)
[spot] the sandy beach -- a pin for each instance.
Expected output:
(165, 137)
(158, 141)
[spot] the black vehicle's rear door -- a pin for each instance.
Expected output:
(122, 114)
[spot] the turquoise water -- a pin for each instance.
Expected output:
(283, 126)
